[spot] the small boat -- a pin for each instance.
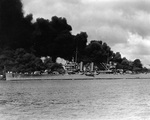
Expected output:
(89, 74)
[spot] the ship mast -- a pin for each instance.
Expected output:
(76, 54)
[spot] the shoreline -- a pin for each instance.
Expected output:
(80, 77)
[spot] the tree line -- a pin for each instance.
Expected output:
(24, 40)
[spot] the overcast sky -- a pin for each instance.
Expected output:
(123, 24)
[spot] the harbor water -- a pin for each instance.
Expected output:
(120, 99)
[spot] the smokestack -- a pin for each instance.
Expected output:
(92, 66)
(81, 66)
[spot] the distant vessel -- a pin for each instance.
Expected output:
(71, 69)
(12, 76)
(79, 76)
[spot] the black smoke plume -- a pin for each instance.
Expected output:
(15, 29)
(43, 37)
